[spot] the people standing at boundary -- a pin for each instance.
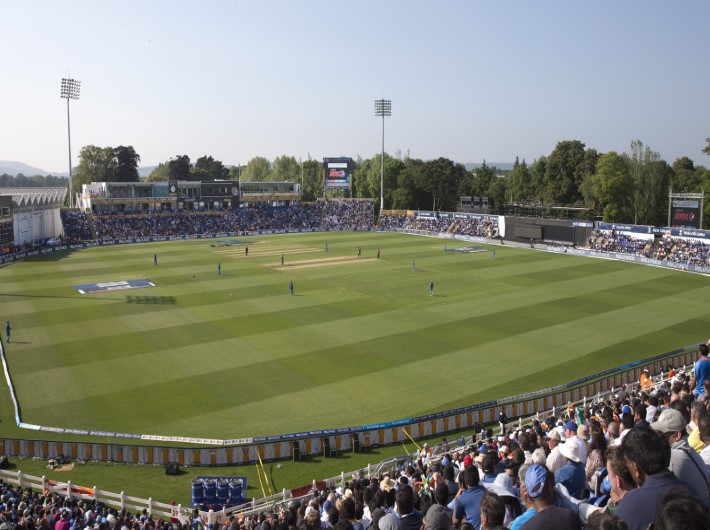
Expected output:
(378, 253)
(359, 252)
(431, 287)
(219, 269)
(290, 287)
(282, 260)
(326, 247)
(246, 250)
(494, 255)
(7, 330)
(502, 420)
(413, 265)
(701, 371)
(155, 260)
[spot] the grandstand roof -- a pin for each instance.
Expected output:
(31, 199)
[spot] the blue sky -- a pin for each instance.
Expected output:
(468, 80)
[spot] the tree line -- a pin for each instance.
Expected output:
(630, 187)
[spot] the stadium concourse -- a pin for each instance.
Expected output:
(627, 460)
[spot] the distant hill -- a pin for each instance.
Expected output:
(500, 165)
(12, 168)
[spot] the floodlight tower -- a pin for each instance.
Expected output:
(383, 107)
(70, 90)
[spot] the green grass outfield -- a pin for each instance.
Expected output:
(231, 356)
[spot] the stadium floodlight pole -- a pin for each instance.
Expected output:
(70, 90)
(383, 107)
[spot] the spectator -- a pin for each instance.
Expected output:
(595, 461)
(701, 371)
(492, 512)
(555, 460)
(408, 518)
(572, 474)
(571, 436)
(680, 511)
(503, 488)
(539, 487)
(648, 456)
(467, 504)
(685, 463)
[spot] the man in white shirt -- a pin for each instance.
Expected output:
(555, 460)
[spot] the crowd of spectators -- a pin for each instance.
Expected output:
(612, 241)
(637, 458)
(346, 214)
(330, 214)
(666, 248)
(76, 226)
(474, 226)
(24, 509)
(677, 250)
(625, 462)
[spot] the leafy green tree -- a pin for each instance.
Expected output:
(285, 168)
(210, 169)
(159, 173)
(179, 168)
(96, 164)
(564, 173)
(497, 191)
(408, 194)
(235, 172)
(258, 169)
(126, 164)
(706, 149)
(612, 183)
(519, 182)
(367, 178)
(482, 178)
(685, 176)
(537, 183)
(651, 177)
(440, 179)
(312, 171)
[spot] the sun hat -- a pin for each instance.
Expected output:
(570, 450)
(502, 485)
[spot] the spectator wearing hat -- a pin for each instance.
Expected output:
(572, 475)
(647, 455)
(571, 435)
(685, 463)
(554, 460)
(492, 512)
(502, 486)
(467, 504)
(701, 371)
(539, 484)
(438, 516)
(529, 512)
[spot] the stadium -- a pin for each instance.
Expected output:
(161, 330)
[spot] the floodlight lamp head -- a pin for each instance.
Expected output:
(383, 107)
(70, 88)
